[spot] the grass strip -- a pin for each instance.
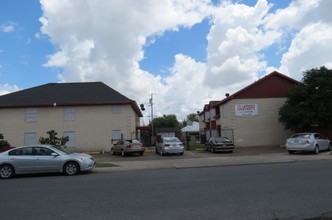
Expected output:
(106, 165)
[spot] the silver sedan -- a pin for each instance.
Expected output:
(313, 142)
(125, 147)
(43, 159)
(169, 145)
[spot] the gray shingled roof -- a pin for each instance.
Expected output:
(66, 94)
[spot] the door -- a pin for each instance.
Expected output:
(45, 161)
(322, 142)
(23, 160)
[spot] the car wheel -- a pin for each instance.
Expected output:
(181, 153)
(141, 153)
(316, 150)
(123, 153)
(291, 152)
(6, 171)
(71, 168)
(212, 149)
(329, 148)
(156, 150)
(112, 151)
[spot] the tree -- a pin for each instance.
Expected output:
(52, 139)
(190, 117)
(3, 142)
(309, 103)
(167, 121)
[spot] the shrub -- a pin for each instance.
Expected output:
(52, 139)
(3, 143)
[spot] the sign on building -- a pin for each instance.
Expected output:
(243, 110)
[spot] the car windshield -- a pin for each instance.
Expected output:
(305, 136)
(221, 140)
(61, 149)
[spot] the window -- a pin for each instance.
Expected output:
(43, 151)
(116, 109)
(30, 138)
(39, 151)
(23, 151)
(207, 116)
(72, 138)
(17, 152)
(212, 113)
(30, 114)
(116, 134)
(225, 110)
(69, 114)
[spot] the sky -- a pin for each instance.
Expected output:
(182, 53)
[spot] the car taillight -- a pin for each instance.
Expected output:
(129, 146)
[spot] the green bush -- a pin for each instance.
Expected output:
(3, 143)
(52, 139)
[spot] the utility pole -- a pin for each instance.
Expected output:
(151, 105)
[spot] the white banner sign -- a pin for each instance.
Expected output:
(243, 110)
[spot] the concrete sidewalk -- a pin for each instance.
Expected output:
(213, 161)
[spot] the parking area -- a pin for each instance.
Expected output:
(200, 158)
(151, 155)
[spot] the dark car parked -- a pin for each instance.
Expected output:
(219, 144)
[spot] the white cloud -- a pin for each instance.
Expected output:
(6, 88)
(294, 16)
(235, 43)
(308, 25)
(103, 41)
(8, 27)
(310, 48)
(183, 92)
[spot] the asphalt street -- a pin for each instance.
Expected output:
(282, 191)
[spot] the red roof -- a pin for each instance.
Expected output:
(273, 85)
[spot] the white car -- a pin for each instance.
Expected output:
(169, 145)
(125, 147)
(313, 142)
(43, 159)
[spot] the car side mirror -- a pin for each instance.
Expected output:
(54, 154)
